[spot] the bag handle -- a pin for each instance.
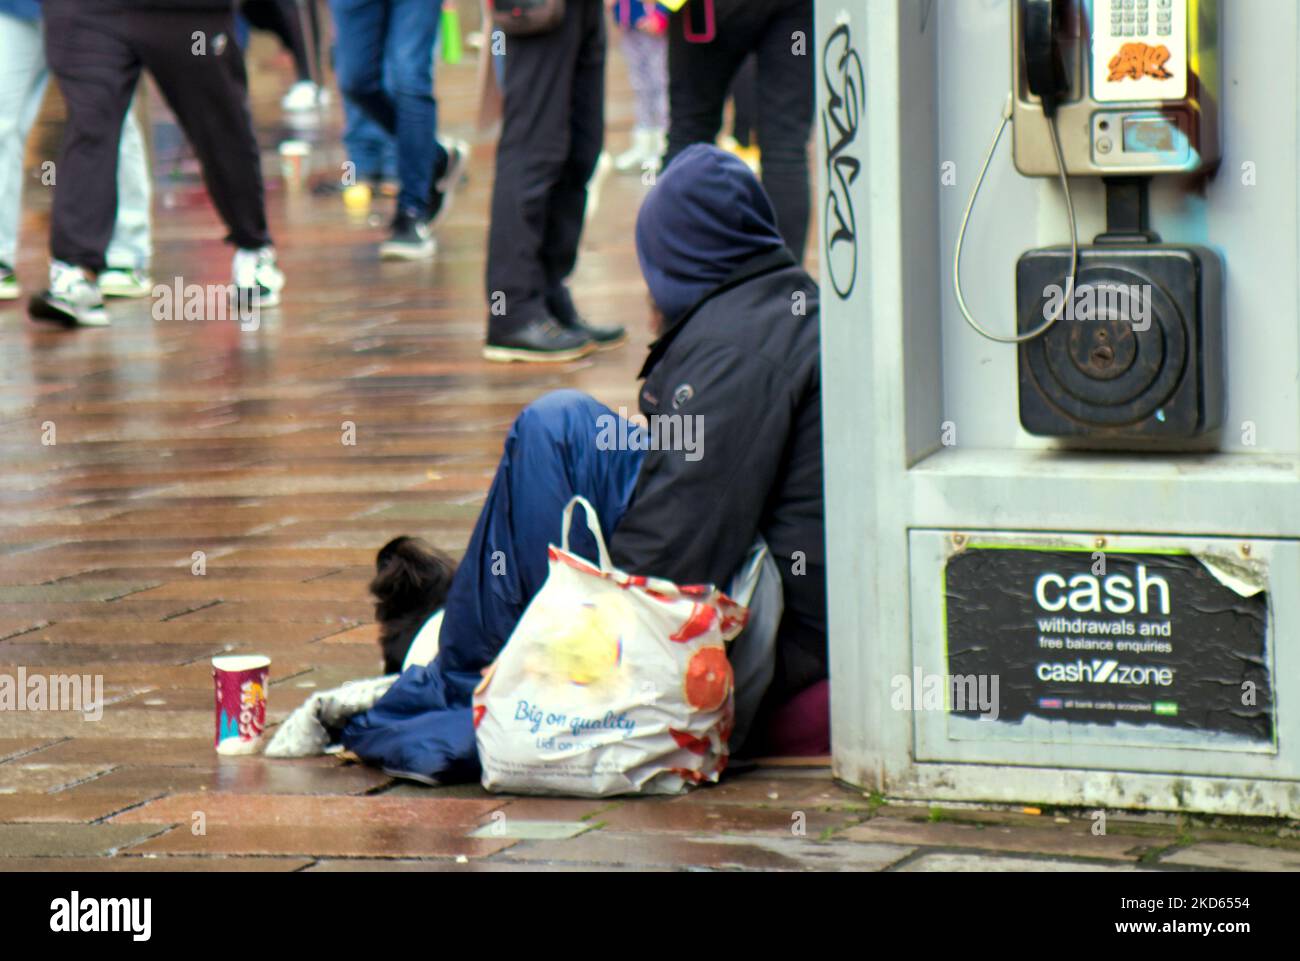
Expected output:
(709, 31)
(593, 525)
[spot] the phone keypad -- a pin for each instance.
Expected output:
(1141, 18)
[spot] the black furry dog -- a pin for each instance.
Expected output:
(411, 582)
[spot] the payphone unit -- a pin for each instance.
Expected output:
(1120, 341)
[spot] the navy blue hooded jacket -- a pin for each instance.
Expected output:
(741, 355)
(706, 218)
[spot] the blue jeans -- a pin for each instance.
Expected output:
(369, 146)
(394, 40)
(423, 724)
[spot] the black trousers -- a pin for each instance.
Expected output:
(744, 103)
(281, 17)
(552, 129)
(701, 73)
(96, 54)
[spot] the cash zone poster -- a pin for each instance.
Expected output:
(1107, 638)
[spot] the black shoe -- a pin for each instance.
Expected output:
(541, 342)
(440, 192)
(560, 304)
(410, 240)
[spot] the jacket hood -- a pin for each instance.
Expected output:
(707, 216)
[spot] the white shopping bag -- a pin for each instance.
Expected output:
(610, 684)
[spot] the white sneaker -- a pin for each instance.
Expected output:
(125, 282)
(257, 278)
(73, 299)
(304, 95)
(658, 145)
(9, 289)
(604, 164)
(458, 151)
(444, 188)
(642, 152)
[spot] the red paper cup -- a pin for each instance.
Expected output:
(240, 681)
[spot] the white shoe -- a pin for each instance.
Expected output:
(9, 289)
(257, 278)
(125, 282)
(604, 164)
(658, 145)
(444, 188)
(304, 95)
(643, 151)
(457, 160)
(73, 299)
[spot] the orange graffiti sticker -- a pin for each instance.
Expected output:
(1138, 60)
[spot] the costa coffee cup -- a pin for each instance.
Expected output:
(293, 162)
(240, 682)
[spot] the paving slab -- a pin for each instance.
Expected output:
(31, 652)
(1073, 840)
(150, 751)
(655, 816)
(183, 631)
(1234, 857)
(300, 810)
(11, 747)
(116, 722)
(954, 863)
(70, 840)
(136, 863)
(555, 808)
(499, 826)
(234, 775)
(66, 806)
(715, 852)
(761, 789)
(25, 776)
(353, 841)
(407, 788)
(474, 866)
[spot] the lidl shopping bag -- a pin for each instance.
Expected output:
(610, 683)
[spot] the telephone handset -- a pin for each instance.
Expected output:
(1045, 75)
(1041, 42)
(1131, 83)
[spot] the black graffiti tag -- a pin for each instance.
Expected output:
(843, 77)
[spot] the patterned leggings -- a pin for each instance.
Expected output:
(647, 67)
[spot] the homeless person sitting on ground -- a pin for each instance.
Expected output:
(738, 349)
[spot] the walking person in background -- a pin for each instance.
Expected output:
(394, 40)
(701, 67)
(644, 28)
(97, 50)
(552, 131)
(285, 19)
(371, 150)
(24, 76)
